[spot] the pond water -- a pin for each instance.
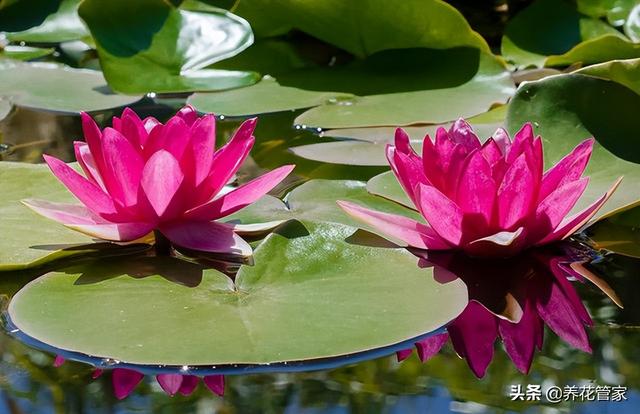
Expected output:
(29, 383)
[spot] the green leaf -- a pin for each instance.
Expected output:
(366, 146)
(600, 49)
(58, 88)
(263, 97)
(553, 27)
(404, 88)
(42, 21)
(619, 233)
(24, 52)
(363, 27)
(27, 239)
(296, 304)
(565, 110)
(152, 46)
(626, 72)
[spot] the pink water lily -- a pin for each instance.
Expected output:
(491, 199)
(142, 176)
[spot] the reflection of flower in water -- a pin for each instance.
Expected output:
(125, 381)
(141, 176)
(491, 199)
(511, 299)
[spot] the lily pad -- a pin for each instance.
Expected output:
(263, 97)
(625, 72)
(565, 110)
(58, 88)
(600, 49)
(619, 233)
(363, 27)
(291, 306)
(42, 21)
(366, 146)
(426, 89)
(558, 28)
(24, 52)
(153, 46)
(27, 239)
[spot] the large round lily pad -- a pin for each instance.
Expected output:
(58, 88)
(309, 296)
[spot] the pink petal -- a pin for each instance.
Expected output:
(501, 244)
(228, 159)
(207, 237)
(215, 383)
(555, 207)
(188, 114)
(87, 163)
(570, 292)
(407, 169)
(442, 214)
(87, 192)
(523, 139)
(96, 373)
(491, 151)
(170, 383)
(93, 137)
(124, 381)
(476, 188)
(124, 166)
(402, 228)
(149, 124)
(161, 179)
(520, 338)
(132, 128)
(502, 139)
(568, 169)
(58, 361)
(241, 196)
(515, 195)
(570, 225)
(172, 137)
(404, 354)
(189, 384)
(199, 154)
(473, 334)
(430, 346)
(462, 133)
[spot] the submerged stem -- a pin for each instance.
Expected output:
(163, 245)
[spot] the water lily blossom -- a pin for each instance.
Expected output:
(491, 199)
(142, 176)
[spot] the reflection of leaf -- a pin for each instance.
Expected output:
(364, 27)
(58, 88)
(565, 110)
(366, 146)
(42, 21)
(27, 239)
(553, 33)
(296, 303)
(455, 84)
(152, 46)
